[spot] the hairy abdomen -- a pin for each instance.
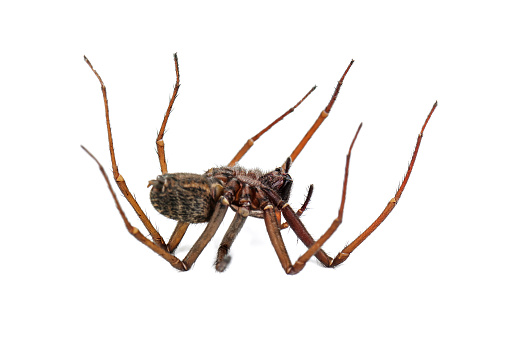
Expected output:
(184, 197)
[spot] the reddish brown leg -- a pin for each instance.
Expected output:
(156, 237)
(159, 140)
(345, 253)
(299, 228)
(181, 228)
(176, 236)
(303, 207)
(323, 115)
(223, 259)
(306, 238)
(210, 230)
(249, 143)
(174, 261)
(306, 202)
(158, 244)
(279, 247)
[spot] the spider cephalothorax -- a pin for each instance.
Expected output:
(193, 198)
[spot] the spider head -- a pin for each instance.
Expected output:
(279, 180)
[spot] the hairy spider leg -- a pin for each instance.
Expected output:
(303, 207)
(177, 235)
(306, 238)
(271, 224)
(306, 201)
(223, 259)
(323, 115)
(157, 245)
(345, 253)
(160, 135)
(210, 230)
(174, 261)
(249, 143)
(301, 231)
(156, 237)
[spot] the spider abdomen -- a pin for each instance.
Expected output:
(185, 197)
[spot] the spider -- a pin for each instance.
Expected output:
(192, 198)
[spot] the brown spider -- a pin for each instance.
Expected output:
(192, 198)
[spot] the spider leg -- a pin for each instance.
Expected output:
(156, 237)
(306, 202)
(159, 140)
(176, 236)
(223, 259)
(323, 115)
(211, 228)
(174, 261)
(203, 240)
(303, 207)
(306, 238)
(299, 228)
(249, 143)
(345, 253)
(279, 246)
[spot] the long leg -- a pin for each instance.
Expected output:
(299, 228)
(249, 143)
(345, 253)
(156, 237)
(278, 244)
(174, 261)
(158, 244)
(223, 259)
(323, 115)
(210, 230)
(159, 140)
(203, 240)
(176, 236)
(306, 238)
(181, 228)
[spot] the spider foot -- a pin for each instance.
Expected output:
(340, 259)
(223, 259)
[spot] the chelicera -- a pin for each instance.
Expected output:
(193, 198)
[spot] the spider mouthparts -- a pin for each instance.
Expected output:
(151, 182)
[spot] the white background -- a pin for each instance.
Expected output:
(436, 267)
